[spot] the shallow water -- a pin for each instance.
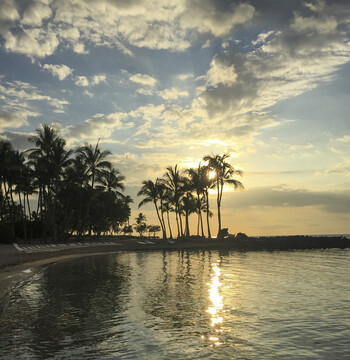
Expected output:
(183, 305)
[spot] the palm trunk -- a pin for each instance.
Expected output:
(160, 220)
(201, 220)
(177, 222)
(207, 199)
(218, 206)
(163, 222)
(180, 220)
(30, 219)
(187, 230)
(171, 234)
(13, 208)
(13, 225)
(23, 214)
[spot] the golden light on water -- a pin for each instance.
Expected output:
(215, 297)
(216, 305)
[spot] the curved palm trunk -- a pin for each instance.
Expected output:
(201, 221)
(180, 220)
(163, 222)
(207, 199)
(171, 234)
(219, 206)
(160, 220)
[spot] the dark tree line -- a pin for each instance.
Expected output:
(187, 192)
(76, 191)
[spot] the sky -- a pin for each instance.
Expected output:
(168, 82)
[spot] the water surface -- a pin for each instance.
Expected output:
(183, 305)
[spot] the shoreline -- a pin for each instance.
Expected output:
(16, 266)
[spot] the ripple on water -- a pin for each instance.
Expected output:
(188, 305)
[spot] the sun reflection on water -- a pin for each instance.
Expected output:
(216, 303)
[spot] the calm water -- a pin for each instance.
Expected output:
(183, 305)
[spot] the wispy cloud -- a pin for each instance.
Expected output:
(143, 79)
(60, 71)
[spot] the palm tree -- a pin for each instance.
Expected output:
(111, 180)
(173, 181)
(7, 155)
(150, 190)
(140, 224)
(188, 205)
(49, 160)
(94, 159)
(198, 182)
(167, 208)
(223, 175)
(77, 173)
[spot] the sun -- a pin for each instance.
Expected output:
(212, 174)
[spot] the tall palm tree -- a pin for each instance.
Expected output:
(111, 180)
(167, 208)
(150, 191)
(173, 181)
(49, 159)
(188, 204)
(77, 173)
(94, 157)
(208, 183)
(224, 172)
(39, 158)
(7, 155)
(197, 180)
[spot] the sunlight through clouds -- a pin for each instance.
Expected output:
(165, 83)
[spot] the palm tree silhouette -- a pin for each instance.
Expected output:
(94, 158)
(223, 175)
(151, 191)
(111, 181)
(167, 208)
(173, 181)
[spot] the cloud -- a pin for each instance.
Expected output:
(34, 42)
(19, 140)
(146, 92)
(172, 93)
(36, 12)
(330, 201)
(144, 79)
(184, 76)
(221, 73)
(8, 15)
(19, 97)
(12, 120)
(344, 139)
(82, 81)
(170, 25)
(91, 80)
(99, 126)
(241, 87)
(206, 16)
(60, 71)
